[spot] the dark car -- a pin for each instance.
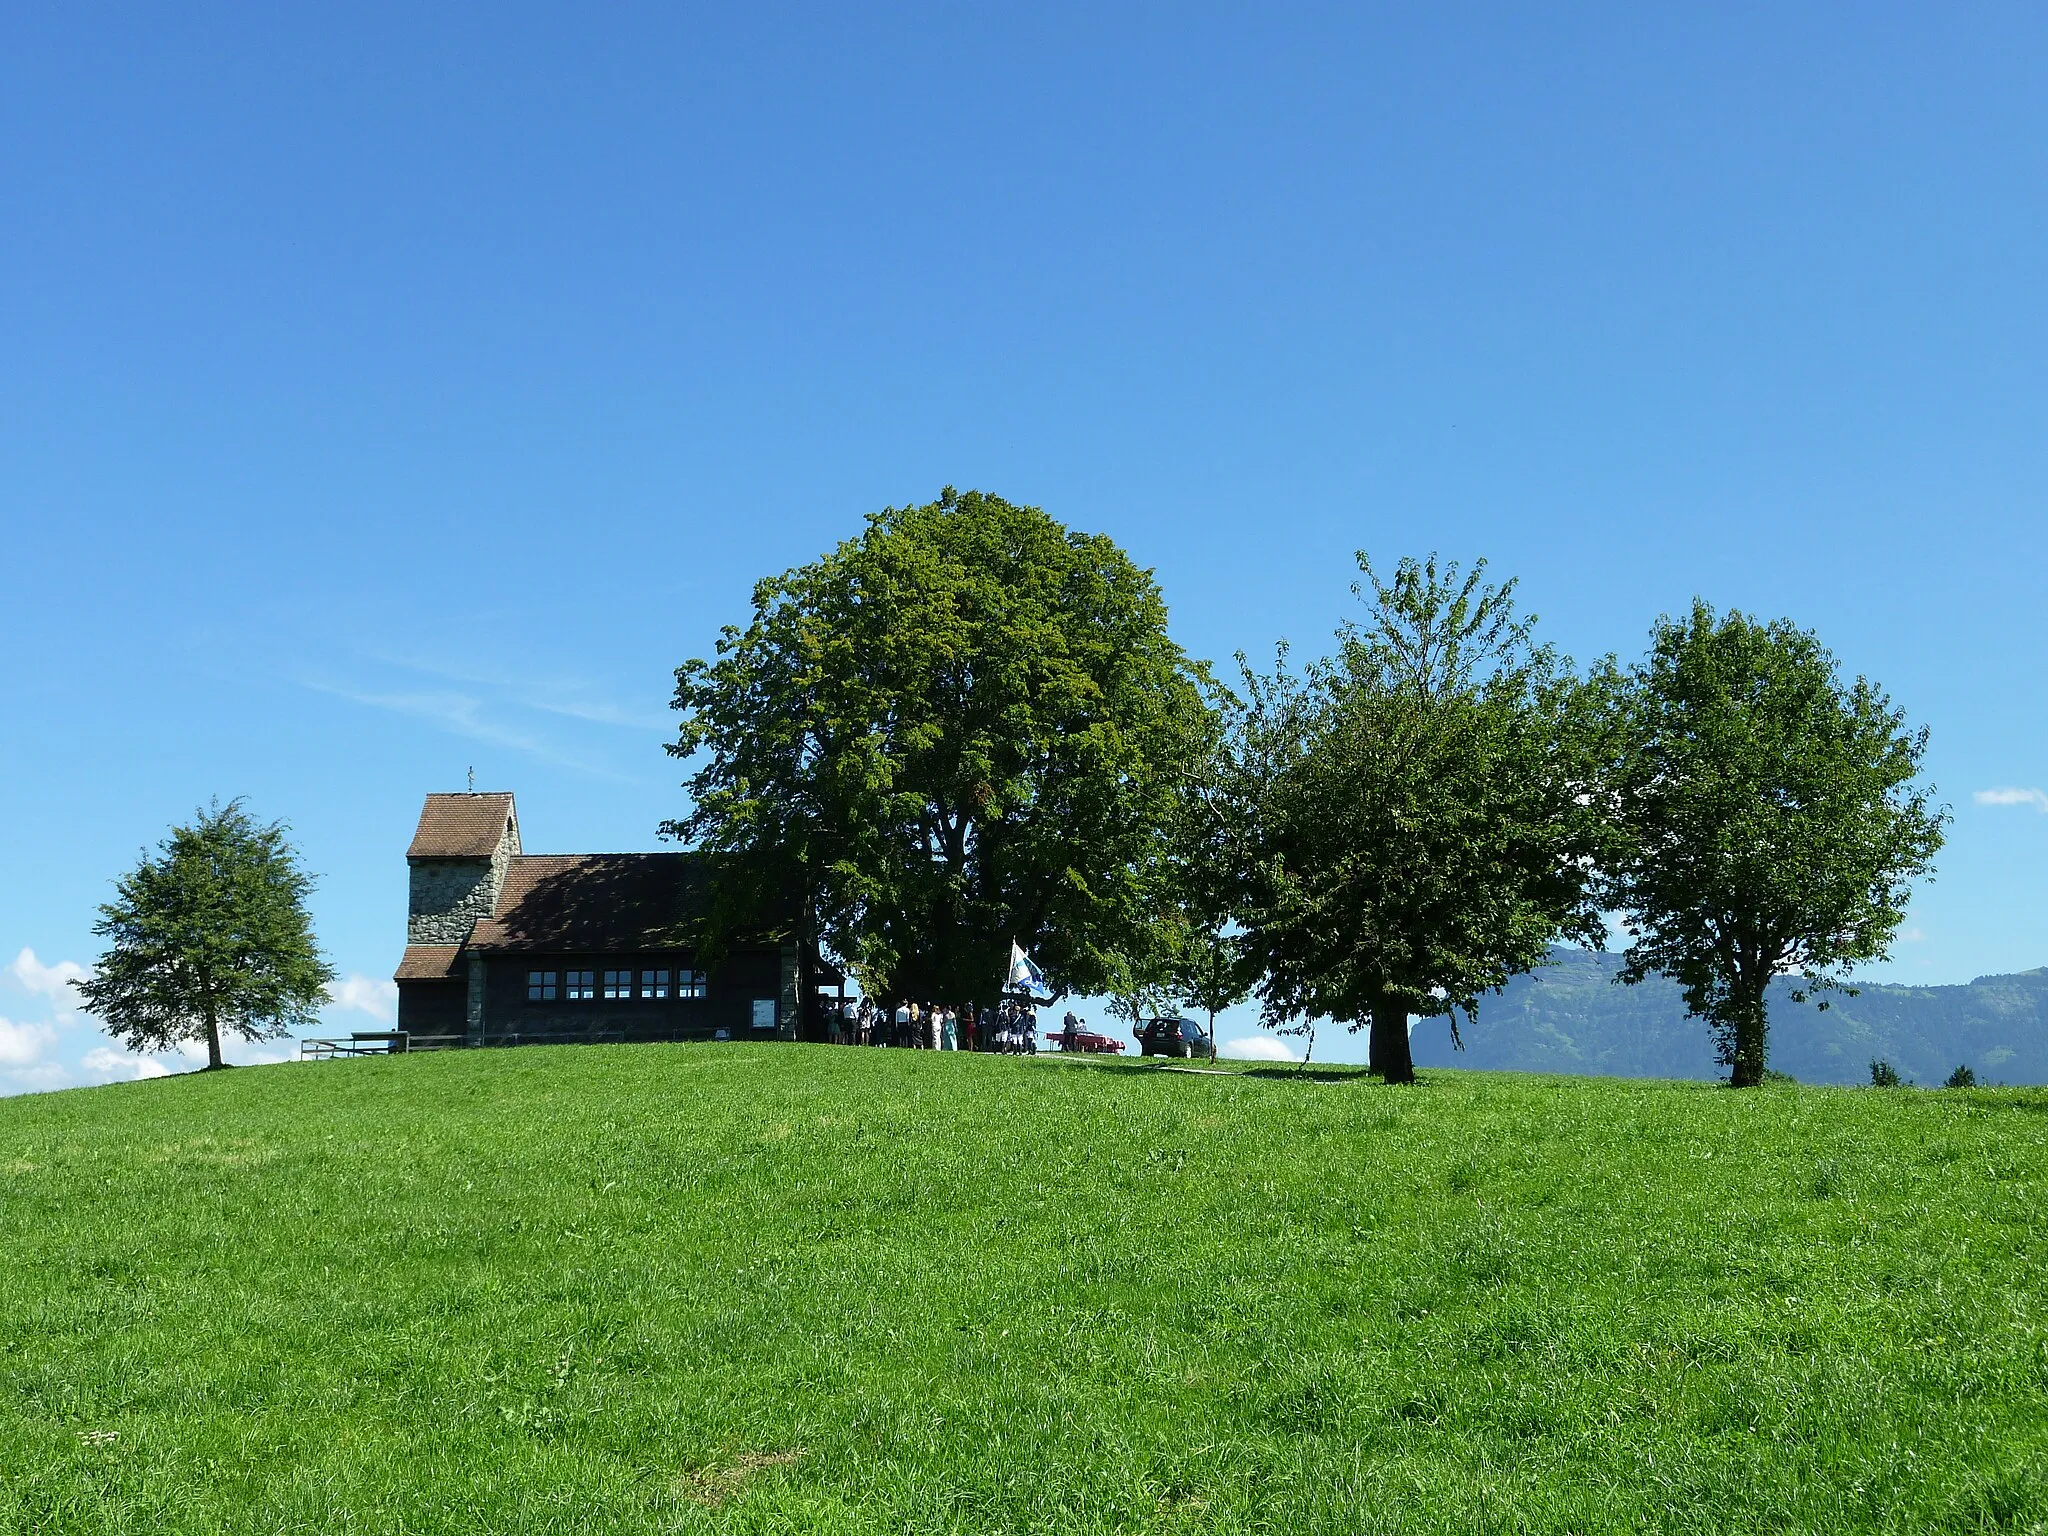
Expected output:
(1175, 1037)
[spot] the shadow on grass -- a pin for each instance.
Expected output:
(1303, 1074)
(1147, 1066)
(1116, 1065)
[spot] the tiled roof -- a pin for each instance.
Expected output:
(460, 826)
(596, 901)
(427, 962)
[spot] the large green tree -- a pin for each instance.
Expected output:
(1204, 953)
(1421, 807)
(964, 727)
(209, 937)
(1772, 819)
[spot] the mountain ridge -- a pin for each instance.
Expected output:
(1570, 1016)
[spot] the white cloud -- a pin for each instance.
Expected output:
(366, 994)
(103, 1061)
(23, 1045)
(2037, 798)
(1913, 936)
(51, 981)
(1256, 1048)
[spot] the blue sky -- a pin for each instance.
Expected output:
(386, 391)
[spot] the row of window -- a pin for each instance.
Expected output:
(618, 986)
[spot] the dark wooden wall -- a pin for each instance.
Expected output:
(510, 1018)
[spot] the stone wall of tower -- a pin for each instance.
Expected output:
(449, 896)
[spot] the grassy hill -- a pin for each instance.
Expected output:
(795, 1289)
(1570, 1017)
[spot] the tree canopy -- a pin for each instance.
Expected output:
(210, 935)
(964, 727)
(1420, 822)
(1203, 957)
(1770, 816)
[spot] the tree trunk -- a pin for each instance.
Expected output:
(212, 1036)
(1746, 1069)
(808, 1023)
(1387, 1048)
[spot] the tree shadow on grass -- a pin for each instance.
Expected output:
(1145, 1066)
(1307, 1074)
(1118, 1065)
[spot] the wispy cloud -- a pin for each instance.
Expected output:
(365, 994)
(459, 713)
(462, 714)
(2037, 798)
(571, 697)
(599, 712)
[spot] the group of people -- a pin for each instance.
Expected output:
(1009, 1027)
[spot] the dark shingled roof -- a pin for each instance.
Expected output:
(460, 826)
(596, 901)
(427, 962)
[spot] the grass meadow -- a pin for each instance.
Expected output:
(805, 1289)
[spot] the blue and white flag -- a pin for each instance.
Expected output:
(1025, 976)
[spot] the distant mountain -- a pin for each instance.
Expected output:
(1573, 1017)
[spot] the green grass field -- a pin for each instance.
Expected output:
(800, 1289)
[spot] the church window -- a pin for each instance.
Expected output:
(540, 986)
(581, 986)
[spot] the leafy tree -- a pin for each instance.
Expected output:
(1210, 971)
(1421, 810)
(210, 935)
(1206, 961)
(1142, 984)
(967, 726)
(1770, 816)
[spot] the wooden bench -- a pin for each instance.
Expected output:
(393, 1042)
